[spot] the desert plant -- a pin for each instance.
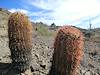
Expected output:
(43, 30)
(20, 41)
(68, 52)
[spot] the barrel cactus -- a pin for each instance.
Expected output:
(20, 41)
(68, 51)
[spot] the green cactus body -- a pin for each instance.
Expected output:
(68, 52)
(20, 41)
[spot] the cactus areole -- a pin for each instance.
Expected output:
(68, 52)
(20, 41)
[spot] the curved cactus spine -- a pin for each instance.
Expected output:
(20, 41)
(68, 52)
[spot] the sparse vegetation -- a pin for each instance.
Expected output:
(43, 30)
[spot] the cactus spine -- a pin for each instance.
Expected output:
(68, 52)
(20, 41)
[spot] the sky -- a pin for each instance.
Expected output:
(79, 13)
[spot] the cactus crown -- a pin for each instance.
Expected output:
(69, 34)
(20, 20)
(70, 31)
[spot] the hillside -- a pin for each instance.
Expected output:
(4, 50)
(43, 39)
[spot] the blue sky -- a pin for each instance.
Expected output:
(62, 12)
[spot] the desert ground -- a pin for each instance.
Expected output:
(42, 50)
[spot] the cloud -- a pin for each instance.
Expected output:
(62, 12)
(19, 10)
(42, 16)
(68, 7)
(44, 4)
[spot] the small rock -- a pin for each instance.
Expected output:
(87, 73)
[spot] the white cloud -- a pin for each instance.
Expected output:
(30, 13)
(45, 4)
(69, 9)
(38, 16)
(64, 11)
(19, 10)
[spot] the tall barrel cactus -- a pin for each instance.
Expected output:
(20, 41)
(68, 52)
